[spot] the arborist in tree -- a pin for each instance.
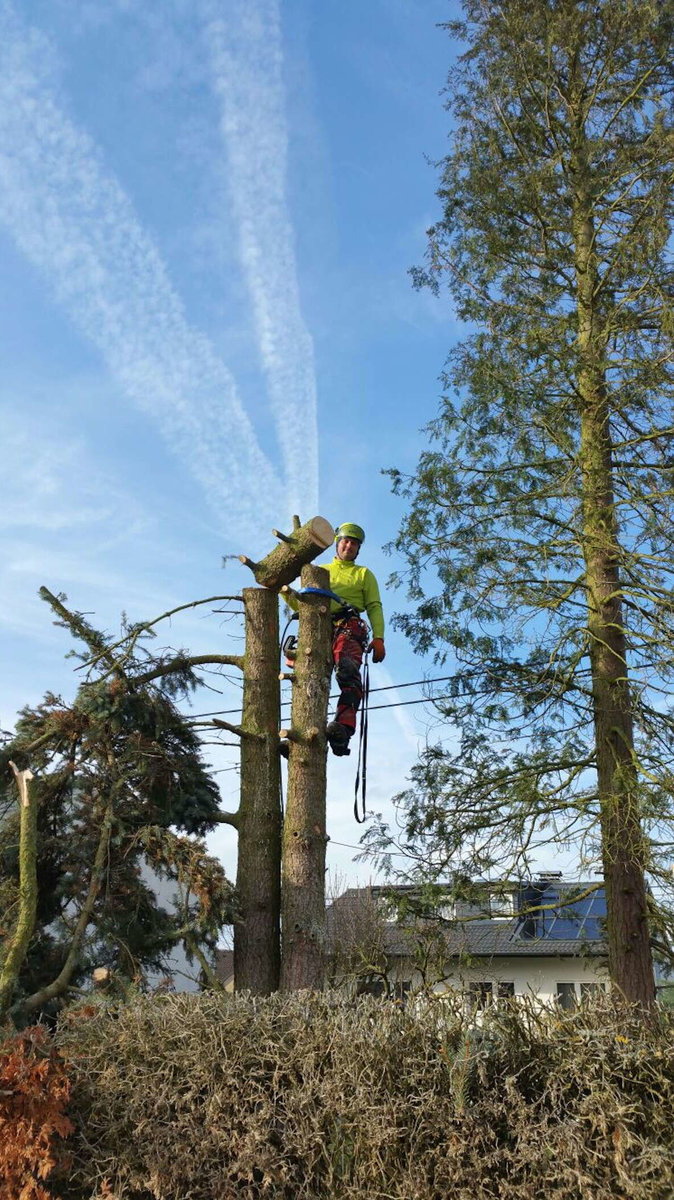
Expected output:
(359, 590)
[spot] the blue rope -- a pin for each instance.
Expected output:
(314, 591)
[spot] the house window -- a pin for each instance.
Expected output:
(480, 993)
(566, 995)
(401, 989)
(378, 987)
(501, 904)
(589, 989)
(505, 988)
(371, 987)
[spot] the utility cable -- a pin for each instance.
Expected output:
(390, 687)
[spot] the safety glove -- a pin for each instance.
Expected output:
(378, 649)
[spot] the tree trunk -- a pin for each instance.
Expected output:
(99, 869)
(298, 548)
(258, 880)
(304, 836)
(25, 925)
(623, 846)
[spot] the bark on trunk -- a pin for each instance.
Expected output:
(25, 925)
(258, 880)
(304, 836)
(298, 548)
(623, 844)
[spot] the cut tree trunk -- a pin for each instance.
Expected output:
(18, 944)
(258, 880)
(304, 835)
(296, 549)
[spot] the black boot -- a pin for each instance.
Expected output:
(339, 736)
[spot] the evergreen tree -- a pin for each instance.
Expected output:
(122, 794)
(544, 505)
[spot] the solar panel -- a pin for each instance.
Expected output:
(561, 915)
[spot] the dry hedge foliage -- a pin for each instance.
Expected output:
(34, 1090)
(308, 1096)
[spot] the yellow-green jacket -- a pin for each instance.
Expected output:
(356, 586)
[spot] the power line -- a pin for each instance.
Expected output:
(404, 703)
(350, 846)
(371, 708)
(391, 687)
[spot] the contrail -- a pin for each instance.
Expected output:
(73, 221)
(246, 56)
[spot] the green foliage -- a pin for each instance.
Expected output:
(543, 506)
(117, 772)
(317, 1096)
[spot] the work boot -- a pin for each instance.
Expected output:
(339, 736)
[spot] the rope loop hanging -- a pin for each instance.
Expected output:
(361, 770)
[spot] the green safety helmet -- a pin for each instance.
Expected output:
(350, 531)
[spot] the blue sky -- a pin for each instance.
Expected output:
(207, 214)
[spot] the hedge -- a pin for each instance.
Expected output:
(184, 1097)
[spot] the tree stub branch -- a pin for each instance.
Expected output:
(227, 818)
(238, 730)
(291, 735)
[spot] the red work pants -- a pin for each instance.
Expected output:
(349, 640)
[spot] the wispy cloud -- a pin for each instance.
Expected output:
(246, 55)
(73, 221)
(63, 522)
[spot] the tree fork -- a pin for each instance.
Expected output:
(258, 880)
(304, 834)
(298, 548)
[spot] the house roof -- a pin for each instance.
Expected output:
(224, 965)
(484, 936)
(489, 938)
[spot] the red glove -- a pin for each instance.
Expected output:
(378, 649)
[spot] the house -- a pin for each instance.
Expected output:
(541, 938)
(224, 969)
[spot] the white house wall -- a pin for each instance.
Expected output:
(536, 977)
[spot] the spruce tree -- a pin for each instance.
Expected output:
(123, 797)
(544, 503)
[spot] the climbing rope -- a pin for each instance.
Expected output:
(360, 790)
(361, 770)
